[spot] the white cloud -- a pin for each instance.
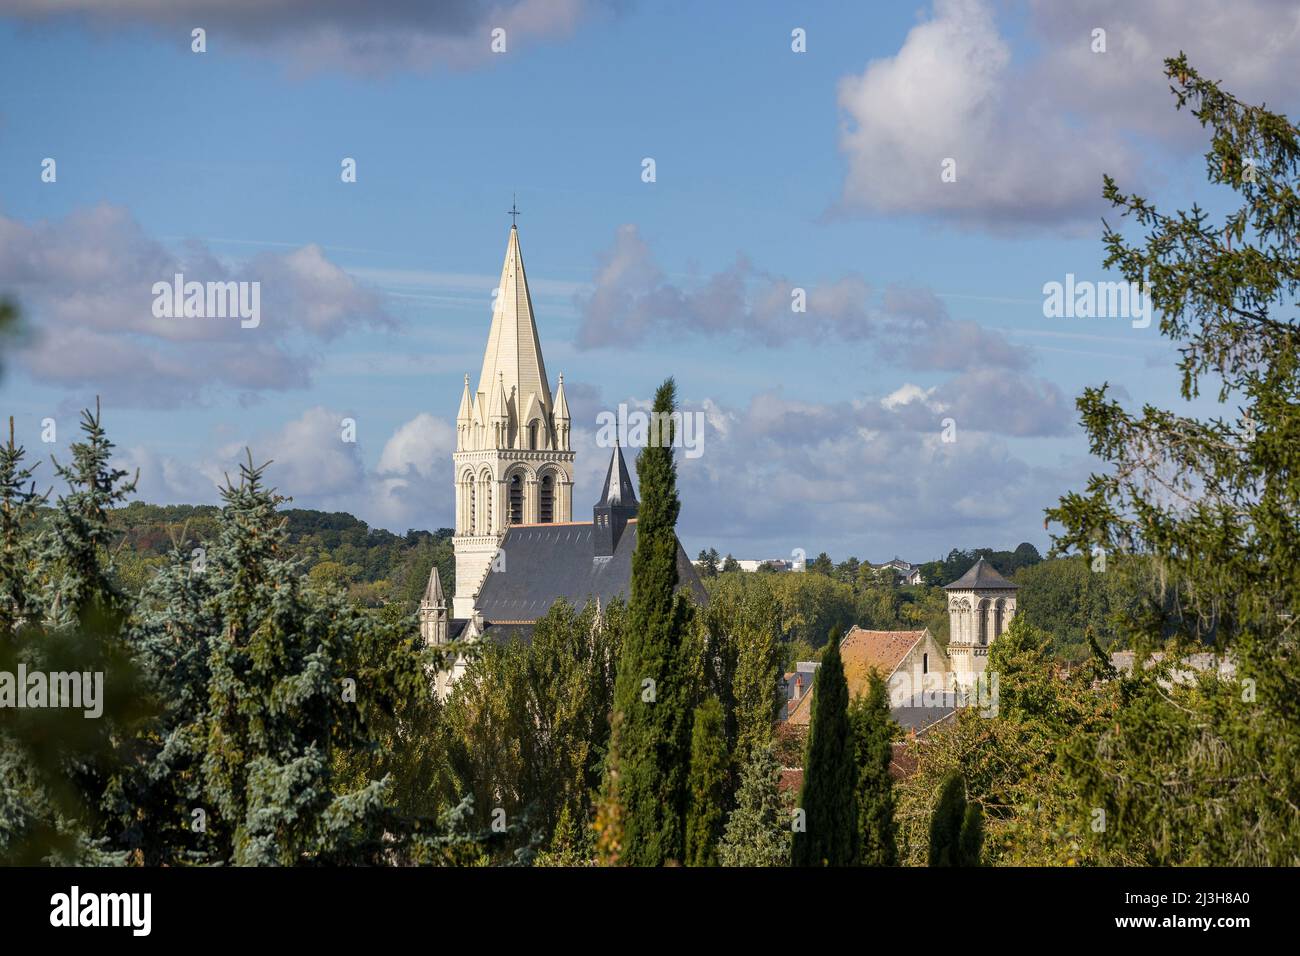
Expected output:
(953, 92)
(420, 446)
(1032, 135)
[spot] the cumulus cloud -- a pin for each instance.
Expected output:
(952, 93)
(86, 284)
(418, 447)
(377, 36)
(632, 299)
(1250, 45)
(1031, 136)
(871, 477)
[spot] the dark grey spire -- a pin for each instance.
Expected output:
(617, 506)
(617, 489)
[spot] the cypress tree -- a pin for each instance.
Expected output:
(758, 830)
(829, 836)
(650, 746)
(956, 829)
(873, 741)
(707, 786)
(971, 840)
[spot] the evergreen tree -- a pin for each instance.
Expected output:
(758, 830)
(755, 680)
(172, 635)
(707, 563)
(730, 564)
(61, 770)
(873, 742)
(297, 676)
(956, 828)
(1213, 502)
(707, 785)
(653, 700)
(830, 833)
(19, 502)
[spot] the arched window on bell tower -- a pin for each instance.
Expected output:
(471, 525)
(546, 500)
(998, 617)
(516, 499)
(532, 435)
(982, 621)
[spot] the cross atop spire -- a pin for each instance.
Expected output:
(514, 211)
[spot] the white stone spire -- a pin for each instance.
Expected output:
(513, 357)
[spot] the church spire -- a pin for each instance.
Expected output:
(617, 489)
(616, 507)
(513, 359)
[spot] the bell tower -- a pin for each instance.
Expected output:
(981, 604)
(513, 461)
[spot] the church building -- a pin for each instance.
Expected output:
(923, 677)
(518, 548)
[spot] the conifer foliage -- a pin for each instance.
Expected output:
(650, 749)
(830, 831)
(877, 844)
(289, 687)
(709, 789)
(956, 827)
(758, 830)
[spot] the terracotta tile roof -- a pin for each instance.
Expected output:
(862, 650)
(883, 650)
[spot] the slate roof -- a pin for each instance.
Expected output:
(981, 575)
(920, 719)
(546, 562)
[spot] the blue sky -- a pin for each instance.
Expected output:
(774, 169)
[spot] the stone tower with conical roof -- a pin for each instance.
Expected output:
(981, 604)
(513, 462)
